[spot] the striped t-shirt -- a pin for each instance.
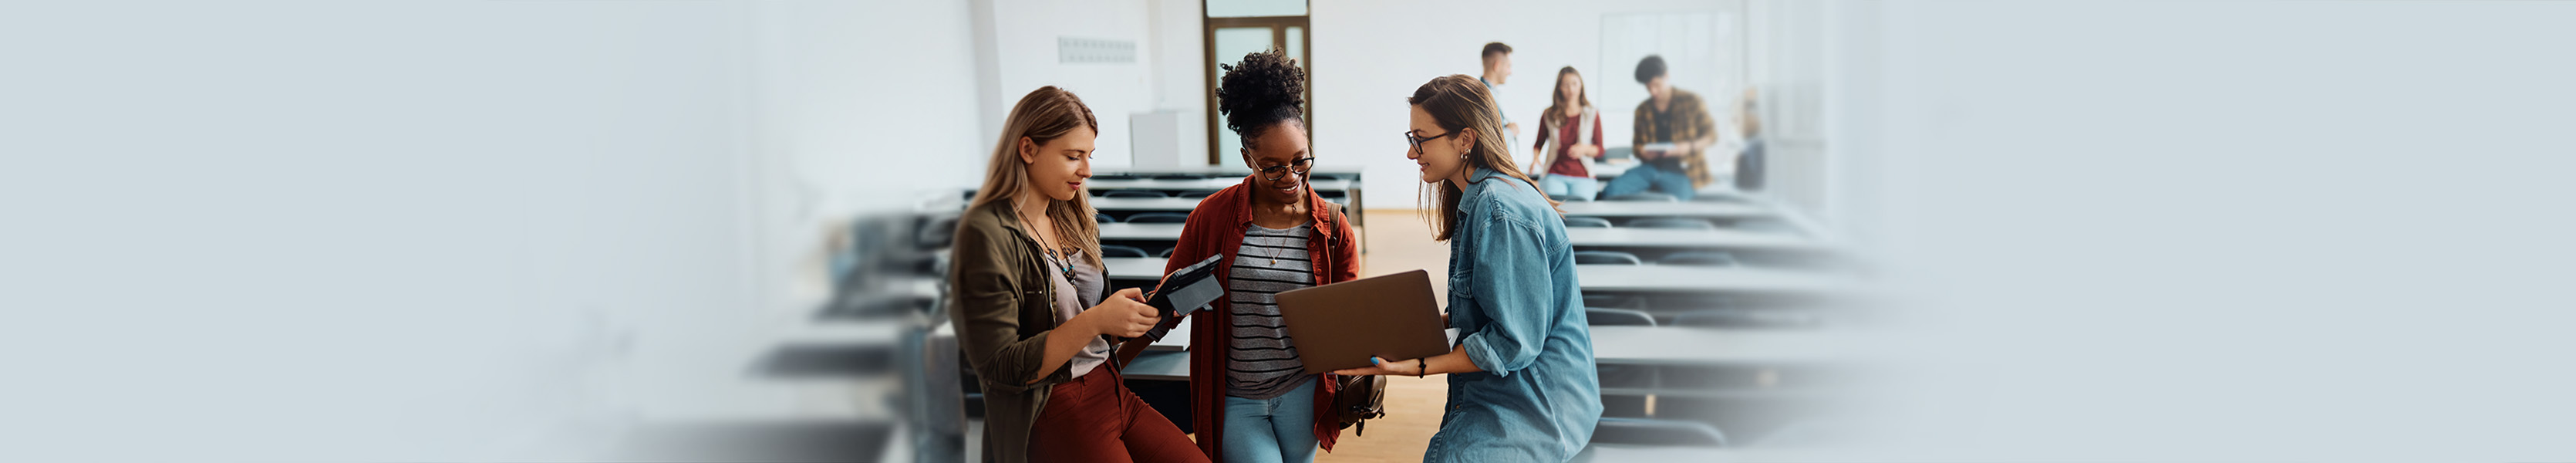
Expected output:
(1264, 364)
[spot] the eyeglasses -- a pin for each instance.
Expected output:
(1301, 166)
(1416, 140)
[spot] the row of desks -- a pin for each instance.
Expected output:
(1603, 209)
(1580, 238)
(1622, 345)
(1612, 278)
(1097, 184)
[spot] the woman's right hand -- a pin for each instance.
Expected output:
(1123, 314)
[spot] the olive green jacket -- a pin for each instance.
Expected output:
(1002, 304)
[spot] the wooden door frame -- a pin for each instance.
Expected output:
(1278, 35)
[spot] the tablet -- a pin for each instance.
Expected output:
(1341, 325)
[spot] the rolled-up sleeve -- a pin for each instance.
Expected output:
(1511, 286)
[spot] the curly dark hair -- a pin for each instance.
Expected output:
(1260, 92)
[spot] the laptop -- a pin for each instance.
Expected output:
(1341, 325)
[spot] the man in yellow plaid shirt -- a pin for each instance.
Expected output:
(1669, 117)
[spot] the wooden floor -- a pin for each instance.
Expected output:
(1398, 240)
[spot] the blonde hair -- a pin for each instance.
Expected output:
(1458, 102)
(1044, 115)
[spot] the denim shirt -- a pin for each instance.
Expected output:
(1519, 311)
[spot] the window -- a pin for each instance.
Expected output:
(1240, 27)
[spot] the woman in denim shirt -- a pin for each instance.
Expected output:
(1522, 385)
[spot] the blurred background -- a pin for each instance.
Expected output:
(541, 230)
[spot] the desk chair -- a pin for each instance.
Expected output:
(1103, 218)
(936, 233)
(1167, 253)
(1648, 431)
(1617, 317)
(1112, 251)
(1587, 222)
(1699, 259)
(1196, 193)
(1159, 217)
(1606, 257)
(1113, 177)
(1568, 199)
(1672, 223)
(1613, 301)
(1132, 194)
(1176, 176)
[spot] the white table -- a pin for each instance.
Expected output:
(1158, 204)
(1135, 268)
(1664, 345)
(1634, 209)
(1650, 278)
(1586, 237)
(1202, 184)
(1145, 204)
(1141, 231)
(1215, 170)
(1159, 365)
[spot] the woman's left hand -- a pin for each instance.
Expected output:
(1406, 367)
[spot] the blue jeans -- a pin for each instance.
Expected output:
(1569, 186)
(1637, 179)
(1276, 430)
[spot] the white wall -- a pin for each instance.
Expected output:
(354, 231)
(2219, 231)
(1025, 33)
(1180, 72)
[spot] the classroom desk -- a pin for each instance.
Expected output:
(1135, 268)
(1158, 204)
(1144, 204)
(1221, 171)
(1590, 238)
(1201, 184)
(1650, 278)
(1664, 345)
(1140, 231)
(1638, 209)
(1160, 366)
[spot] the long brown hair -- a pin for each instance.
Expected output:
(1555, 115)
(1458, 102)
(1044, 115)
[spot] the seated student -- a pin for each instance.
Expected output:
(1672, 116)
(1574, 127)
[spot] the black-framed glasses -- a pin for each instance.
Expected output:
(1417, 140)
(1301, 166)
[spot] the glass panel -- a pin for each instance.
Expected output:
(1231, 44)
(1297, 45)
(1252, 8)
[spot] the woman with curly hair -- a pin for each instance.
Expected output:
(1250, 398)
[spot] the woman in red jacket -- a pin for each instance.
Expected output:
(1250, 400)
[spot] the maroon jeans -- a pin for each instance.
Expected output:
(1094, 418)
